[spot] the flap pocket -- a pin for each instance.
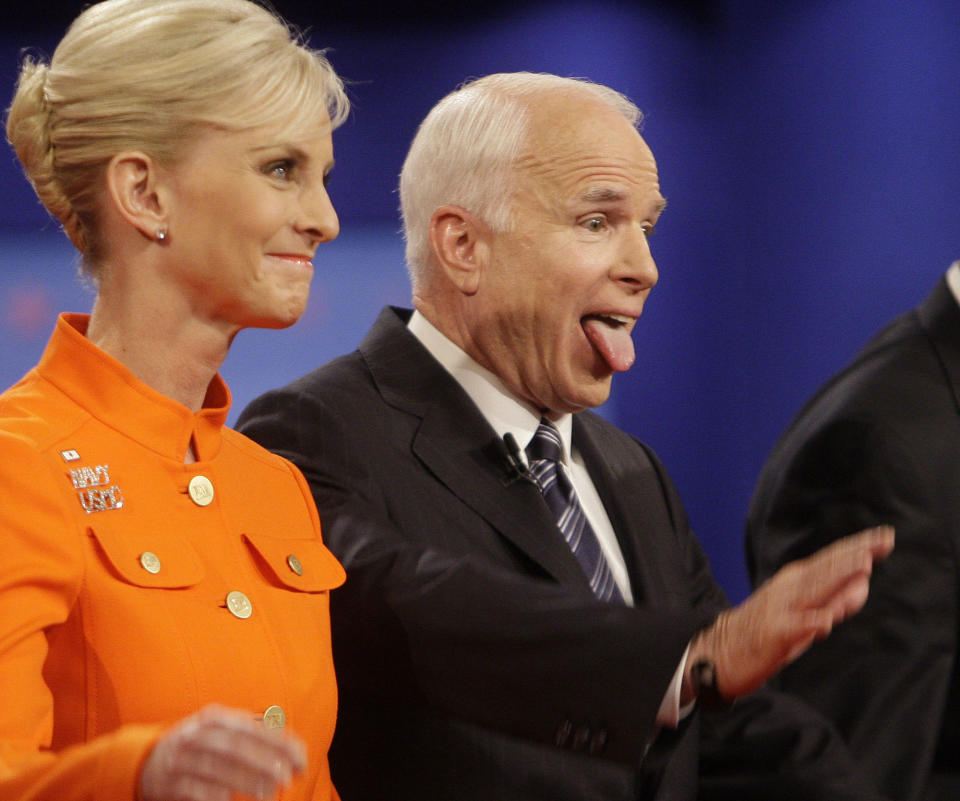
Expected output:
(167, 561)
(299, 564)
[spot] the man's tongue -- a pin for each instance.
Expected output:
(612, 341)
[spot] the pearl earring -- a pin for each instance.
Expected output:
(161, 234)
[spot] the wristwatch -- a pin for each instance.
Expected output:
(703, 679)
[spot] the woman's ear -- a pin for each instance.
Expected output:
(133, 186)
(460, 244)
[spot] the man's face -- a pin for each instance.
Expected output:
(562, 290)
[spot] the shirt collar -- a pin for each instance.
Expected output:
(953, 280)
(505, 412)
(115, 396)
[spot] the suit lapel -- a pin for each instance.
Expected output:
(460, 449)
(940, 317)
(633, 499)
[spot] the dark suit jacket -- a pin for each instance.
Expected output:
(880, 443)
(473, 660)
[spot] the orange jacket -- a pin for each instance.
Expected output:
(126, 579)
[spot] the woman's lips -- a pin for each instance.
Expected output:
(294, 257)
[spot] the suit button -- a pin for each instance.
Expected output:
(239, 605)
(150, 562)
(562, 738)
(581, 737)
(274, 717)
(294, 564)
(201, 490)
(598, 742)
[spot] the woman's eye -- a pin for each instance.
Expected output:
(282, 170)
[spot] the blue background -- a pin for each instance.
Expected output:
(809, 151)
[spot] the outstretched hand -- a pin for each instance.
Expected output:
(217, 753)
(798, 605)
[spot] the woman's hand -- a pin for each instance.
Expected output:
(218, 752)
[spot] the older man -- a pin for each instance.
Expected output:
(527, 615)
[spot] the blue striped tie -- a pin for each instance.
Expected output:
(544, 453)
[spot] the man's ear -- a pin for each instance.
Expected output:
(460, 244)
(133, 185)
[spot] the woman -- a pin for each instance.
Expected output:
(163, 584)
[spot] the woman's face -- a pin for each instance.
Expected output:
(248, 211)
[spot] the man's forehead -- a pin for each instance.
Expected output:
(556, 118)
(572, 137)
(601, 172)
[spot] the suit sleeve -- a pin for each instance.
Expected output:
(40, 574)
(459, 633)
(882, 676)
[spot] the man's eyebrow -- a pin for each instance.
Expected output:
(607, 194)
(603, 194)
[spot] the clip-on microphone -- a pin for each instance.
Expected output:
(516, 468)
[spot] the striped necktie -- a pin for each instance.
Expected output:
(544, 452)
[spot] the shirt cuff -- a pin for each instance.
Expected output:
(671, 713)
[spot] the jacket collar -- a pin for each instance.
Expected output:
(457, 445)
(112, 394)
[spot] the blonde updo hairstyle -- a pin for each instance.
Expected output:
(149, 75)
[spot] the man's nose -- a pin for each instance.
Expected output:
(636, 268)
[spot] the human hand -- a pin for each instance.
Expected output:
(218, 752)
(799, 604)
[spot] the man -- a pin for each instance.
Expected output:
(881, 441)
(481, 655)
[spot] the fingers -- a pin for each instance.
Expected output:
(877, 541)
(830, 572)
(800, 644)
(849, 598)
(235, 739)
(219, 752)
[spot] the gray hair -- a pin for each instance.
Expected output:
(147, 75)
(465, 149)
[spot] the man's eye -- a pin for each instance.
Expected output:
(649, 229)
(595, 224)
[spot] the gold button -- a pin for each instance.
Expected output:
(150, 562)
(239, 605)
(294, 564)
(274, 717)
(201, 490)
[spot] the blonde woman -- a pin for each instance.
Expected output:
(164, 627)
